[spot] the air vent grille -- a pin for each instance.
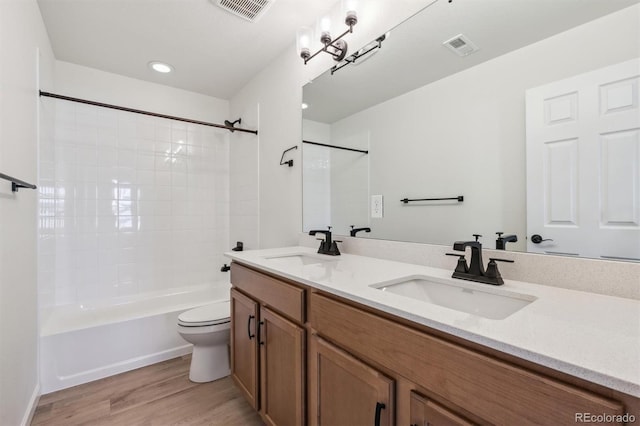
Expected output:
(461, 45)
(251, 10)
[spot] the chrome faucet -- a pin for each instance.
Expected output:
(327, 246)
(475, 271)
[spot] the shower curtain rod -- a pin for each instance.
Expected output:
(336, 147)
(138, 111)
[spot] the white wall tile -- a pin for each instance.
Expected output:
(124, 205)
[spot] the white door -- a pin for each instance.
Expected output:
(583, 164)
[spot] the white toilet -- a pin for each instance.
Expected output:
(207, 328)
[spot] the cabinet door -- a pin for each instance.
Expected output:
(282, 370)
(345, 391)
(425, 412)
(244, 347)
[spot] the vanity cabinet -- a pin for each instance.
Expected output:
(268, 345)
(304, 356)
(486, 389)
(345, 391)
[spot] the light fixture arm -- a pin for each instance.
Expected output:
(359, 54)
(338, 45)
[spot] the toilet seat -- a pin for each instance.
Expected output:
(204, 316)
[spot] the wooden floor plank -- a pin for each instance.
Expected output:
(160, 394)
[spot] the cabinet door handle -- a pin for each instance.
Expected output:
(260, 324)
(251, 336)
(379, 407)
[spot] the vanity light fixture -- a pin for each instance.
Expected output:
(337, 47)
(370, 49)
(160, 67)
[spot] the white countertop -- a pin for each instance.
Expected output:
(590, 336)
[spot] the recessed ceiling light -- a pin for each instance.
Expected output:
(304, 106)
(160, 67)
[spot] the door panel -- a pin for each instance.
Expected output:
(244, 347)
(583, 164)
(282, 370)
(345, 391)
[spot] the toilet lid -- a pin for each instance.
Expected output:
(213, 314)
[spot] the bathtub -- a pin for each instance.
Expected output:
(82, 343)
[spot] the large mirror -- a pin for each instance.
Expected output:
(440, 113)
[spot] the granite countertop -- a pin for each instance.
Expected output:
(590, 336)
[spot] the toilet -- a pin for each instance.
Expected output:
(207, 328)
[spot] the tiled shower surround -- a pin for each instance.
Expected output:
(129, 204)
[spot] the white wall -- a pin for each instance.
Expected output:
(130, 204)
(316, 176)
(465, 135)
(22, 33)
(278, 92)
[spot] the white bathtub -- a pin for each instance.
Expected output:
(82, 343)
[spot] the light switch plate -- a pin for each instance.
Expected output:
(377, 206)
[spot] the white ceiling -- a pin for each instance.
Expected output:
(217, 53)
(213, 51)
(413, 55)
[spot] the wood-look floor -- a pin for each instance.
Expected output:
(160, 394)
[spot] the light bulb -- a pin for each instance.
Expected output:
(160, 67)
(304, 42)
(324, 29)
(350, 9)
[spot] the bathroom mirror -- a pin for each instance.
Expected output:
(438, 112)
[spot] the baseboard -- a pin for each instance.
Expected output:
(31, 408)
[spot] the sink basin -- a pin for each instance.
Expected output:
(301, 259)
(492, 303)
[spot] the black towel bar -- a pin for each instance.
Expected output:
(16, 183)
(459, 198)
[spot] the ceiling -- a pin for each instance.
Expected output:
(213, 51)
(413, 55)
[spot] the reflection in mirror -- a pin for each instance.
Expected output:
(437, 125)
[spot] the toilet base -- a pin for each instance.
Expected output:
(209, 363)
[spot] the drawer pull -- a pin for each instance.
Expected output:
(260, 324)
(379, 407)
(251, 336)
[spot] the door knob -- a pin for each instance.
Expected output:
(537, 239)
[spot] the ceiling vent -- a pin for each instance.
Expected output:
(461, 45)
(251, 10)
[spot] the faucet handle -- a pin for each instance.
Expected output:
(462, 263)
(495, 259)
(492, 270)
(477, 236)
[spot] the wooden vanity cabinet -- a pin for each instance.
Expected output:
(302, 356)
(268, 345)
(345, 391)
(491, 390)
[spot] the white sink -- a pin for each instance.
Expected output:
(492, 303)
(301, 259)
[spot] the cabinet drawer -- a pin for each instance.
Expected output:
(278, 295)
(492, 389)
